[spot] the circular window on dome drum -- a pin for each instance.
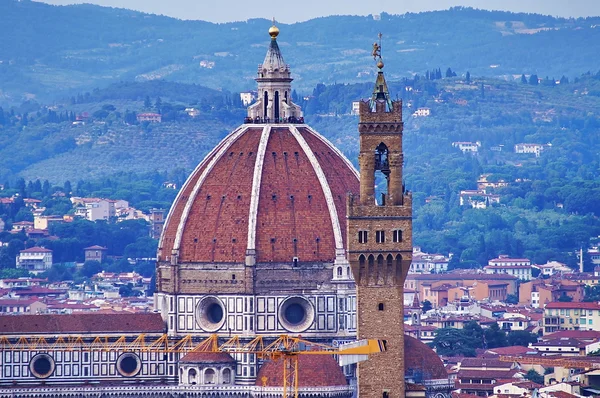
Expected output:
(41, 366)
(128, 364)
(210, 314)
(296, 314)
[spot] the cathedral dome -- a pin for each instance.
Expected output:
(272, 191)
(421, 362)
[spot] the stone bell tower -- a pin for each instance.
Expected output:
(380, 240)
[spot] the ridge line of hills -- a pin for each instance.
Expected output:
(61, 50)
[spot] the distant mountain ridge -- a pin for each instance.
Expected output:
(51, 51)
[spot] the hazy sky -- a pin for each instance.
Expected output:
(293, 11)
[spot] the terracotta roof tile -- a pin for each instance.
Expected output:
(420, 358)
(313, 371)
(207, 357)
(81, 323)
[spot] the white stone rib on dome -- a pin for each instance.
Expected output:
(335, 222)
(256, 181)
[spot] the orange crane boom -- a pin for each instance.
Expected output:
(284, 347)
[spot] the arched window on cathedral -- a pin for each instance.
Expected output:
(276, 106)
(192, 376)
(339, 271)
(209, 376)
(226, 376)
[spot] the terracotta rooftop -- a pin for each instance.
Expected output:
(575, 334)
(207, 357)
(571, 305)
(313, 371)
(36, 250)
(81, 323)
(482, 363)
(212, 220)
(420, 358)
(515, 350)
(95, 247)
(461, 276)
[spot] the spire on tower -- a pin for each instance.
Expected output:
(380, 91)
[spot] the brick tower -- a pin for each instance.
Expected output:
(380, 241)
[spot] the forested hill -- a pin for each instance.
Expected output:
(57, 50)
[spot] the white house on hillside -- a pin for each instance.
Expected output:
(35, 259)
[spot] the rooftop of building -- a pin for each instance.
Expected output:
(81, 323)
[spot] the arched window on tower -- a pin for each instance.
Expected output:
(276, 106)
(382, 173)
(265, 104)
(285, 97)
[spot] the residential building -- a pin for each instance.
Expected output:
(540, 292)
(149, 117)
(467, 147)
(43, 222)
(478, 199)
(483, 183)
(22, 226)
(95, 209)
(571, 316)
(422, 112)
(157, 222)
(553, 268)
(35, 259)
(95, 253)
(468, 280)
(21, 306)
(428, 263)
(594, 253)
(248, 97)
(518, 267)
(479, 376)
(192, 112)
(516, 388)
(535, 149)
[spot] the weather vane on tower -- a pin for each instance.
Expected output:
(377, 52)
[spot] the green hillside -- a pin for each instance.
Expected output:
(60, 50)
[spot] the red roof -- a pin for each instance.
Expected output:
(419, 358)
(486, 374)
(95, 247)
(313, 371)
(81, 323)
(575, 334)
(17, 302)
(570, 305)
(36, 250)
(461, 276)
(292, 216)
(515, 350)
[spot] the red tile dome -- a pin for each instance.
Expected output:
(275, 190)
(420, 361)
(313, 371)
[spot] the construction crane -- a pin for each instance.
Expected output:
(286, 348)
(576, 362)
